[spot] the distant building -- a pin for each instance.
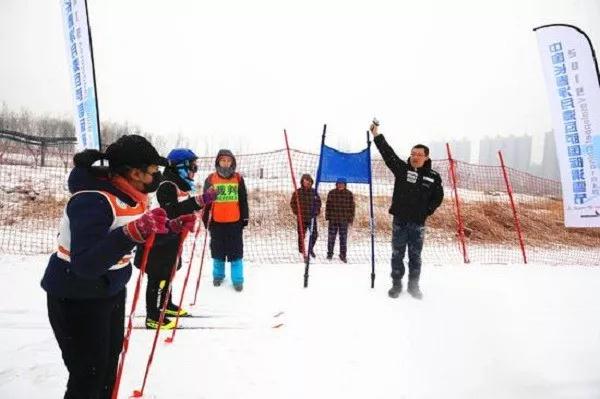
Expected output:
(550, 160)
(461, 150)
(515, 149)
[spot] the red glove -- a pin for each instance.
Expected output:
(183, 222)
(150, 222)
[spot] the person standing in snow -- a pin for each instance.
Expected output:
(339, 211)
(309, 202)
(105, 218)
(417, 194)
(176, 195)
(228, 216)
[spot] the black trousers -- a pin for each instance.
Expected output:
(156, 290)
(90, 335)
(334, 228)
(302, 233)
(226, 241)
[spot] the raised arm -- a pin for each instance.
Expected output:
(392, 161)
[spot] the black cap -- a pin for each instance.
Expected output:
(134, 151)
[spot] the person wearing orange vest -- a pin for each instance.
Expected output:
(228, 217)
(86, 277)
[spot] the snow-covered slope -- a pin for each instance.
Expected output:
(481, 332)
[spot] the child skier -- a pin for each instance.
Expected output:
(228, 217)
(176, 195)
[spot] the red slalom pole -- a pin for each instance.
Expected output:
(299, 210)
(140, 393)
(202, 258)
(170, 339)
(513, 206)
(460, 227)
(136, 294)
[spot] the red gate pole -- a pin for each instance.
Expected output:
(460, 227)
(300, 222)
(136, 293)
(513, 206)
(202, 257)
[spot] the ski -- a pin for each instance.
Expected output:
(275, 321)
(196, 328)
(189, 316)
(276, 316)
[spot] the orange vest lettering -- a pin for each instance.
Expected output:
(226, 208)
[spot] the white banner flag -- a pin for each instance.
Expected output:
(82, 73)
(573, 86)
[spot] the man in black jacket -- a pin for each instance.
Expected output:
(417, 194)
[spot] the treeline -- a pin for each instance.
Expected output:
(25, 121)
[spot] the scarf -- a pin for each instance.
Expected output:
(124, 186)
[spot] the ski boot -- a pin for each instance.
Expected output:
(152, 324)
(173, 309)
(396, 289)
(414, 290)
(217, 282)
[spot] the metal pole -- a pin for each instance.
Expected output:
(87, 15)
(372, 220)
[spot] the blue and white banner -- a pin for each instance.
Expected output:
(82, 73)
(573, 87)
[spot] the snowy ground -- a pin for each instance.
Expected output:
(481, 332)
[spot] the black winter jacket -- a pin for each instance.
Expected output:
(93, 248)
(306, 198)
(164, 251)
(339, 207)
(417, 192)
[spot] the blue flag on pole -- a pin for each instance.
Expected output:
(355, 167)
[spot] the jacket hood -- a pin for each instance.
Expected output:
(95, 179)
(225, 172)
(222, 153)
(170, 174)
(308, 177)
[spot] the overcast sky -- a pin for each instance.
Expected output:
(238, 72)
